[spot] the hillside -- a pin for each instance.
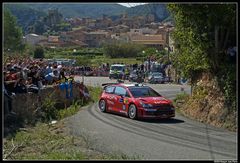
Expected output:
(26, 16)
(95, 10)
(28, 13)
(158, 10)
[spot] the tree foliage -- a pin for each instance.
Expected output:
(39, 52)
(12, 37)
(203, 32)
(119, 50)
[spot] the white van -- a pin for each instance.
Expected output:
(117, 71)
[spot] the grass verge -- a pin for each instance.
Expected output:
(47, 141)
(180, 99)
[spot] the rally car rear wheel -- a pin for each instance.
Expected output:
(132, 111)
(102, 105)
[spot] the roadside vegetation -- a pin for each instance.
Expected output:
(179, 101)
(51, 142)
(95, 93)
(203, 35)
(49, 139)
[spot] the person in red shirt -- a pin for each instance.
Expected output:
(10, 80)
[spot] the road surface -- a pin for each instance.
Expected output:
(179, 138)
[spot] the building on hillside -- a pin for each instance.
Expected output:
(120, 29)
(142, 31)
(104, 22)
(73, 35)
(33, 39)
(156, 41)
(96, 38)
(52, 41)
(122, 37)
(53, 38)
(45, 43)
(54, 17)
(61, 43)
(76, 43)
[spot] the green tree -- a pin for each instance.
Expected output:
(119, 50)
(12, 34)
(203, 32)
(39, 52)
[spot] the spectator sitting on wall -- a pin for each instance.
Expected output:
(55, 76)
(62, 75)
(20, 86)
(51, 77)
(84, 91)
(7, 103)
(25, 73)
(48, 69)
(10, 80)
(29, 81)
(33, 75)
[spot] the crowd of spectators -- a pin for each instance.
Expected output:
(22, 75)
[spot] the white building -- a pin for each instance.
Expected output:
(33, 39)
(142, 31)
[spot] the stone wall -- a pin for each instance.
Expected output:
(25, 105)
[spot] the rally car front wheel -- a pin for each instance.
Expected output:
(102, 105)
(132, 111)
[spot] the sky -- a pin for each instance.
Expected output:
(131, 4)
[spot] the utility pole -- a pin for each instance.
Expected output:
(168, 44)
(168, 72)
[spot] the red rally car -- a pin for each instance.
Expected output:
(135, 101)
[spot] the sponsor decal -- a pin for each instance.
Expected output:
(125, 101)
(124, 107)
(158, 99)
(110, 102)
(122, 111)
(121, 100)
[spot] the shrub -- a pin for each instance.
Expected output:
(181, 97)
(49, 110)
(39, 52)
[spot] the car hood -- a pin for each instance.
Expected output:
(157, 77)
(154, 100)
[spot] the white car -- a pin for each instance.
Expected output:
(156, 77)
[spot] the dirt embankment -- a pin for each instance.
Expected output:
(207, 104)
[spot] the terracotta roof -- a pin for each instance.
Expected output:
(147, 38)
(77, 42)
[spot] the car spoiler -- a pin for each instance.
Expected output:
(106, 84)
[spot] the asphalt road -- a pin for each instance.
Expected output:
(179, 138)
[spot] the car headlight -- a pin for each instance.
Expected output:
(172, 108)
(145, 105)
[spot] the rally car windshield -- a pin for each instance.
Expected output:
(118, 68)
(143, 92)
